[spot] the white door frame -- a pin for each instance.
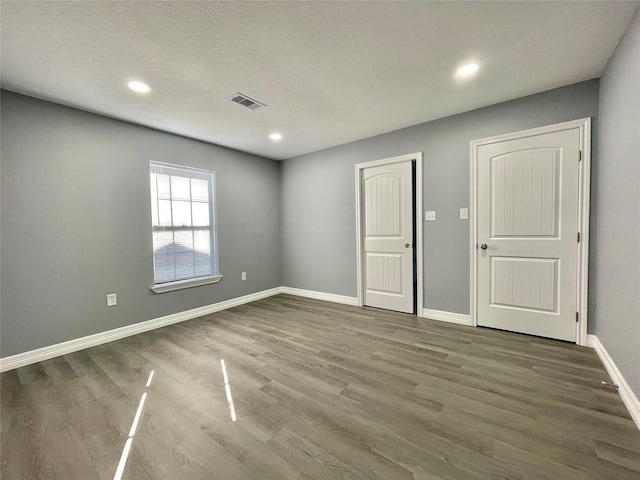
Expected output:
(584, 191)
(418, 223)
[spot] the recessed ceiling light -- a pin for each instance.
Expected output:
(139, 87)
(275, 136)
(468, 70)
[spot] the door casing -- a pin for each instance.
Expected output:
(417, 157)
(584, 126)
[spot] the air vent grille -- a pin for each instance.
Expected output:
(245, 101)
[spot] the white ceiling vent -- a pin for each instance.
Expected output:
(248, 102)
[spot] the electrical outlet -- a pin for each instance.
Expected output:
(112, 300)
(244, 275)
(430, 216)
(464, 214)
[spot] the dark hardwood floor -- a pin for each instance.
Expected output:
(320, 391)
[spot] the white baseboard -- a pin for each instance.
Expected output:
(628, 397)
(327, 297)
(45, 353)
(459, 318)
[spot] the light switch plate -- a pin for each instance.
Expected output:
(464, 214)
(430, 216)
(112, 300)
(244, 275)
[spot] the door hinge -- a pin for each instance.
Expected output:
(580, 156)
(577, 315)
(578, 237)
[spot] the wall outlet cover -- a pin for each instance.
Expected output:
(430, 216)
(112, 300)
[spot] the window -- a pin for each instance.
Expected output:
(183, 222)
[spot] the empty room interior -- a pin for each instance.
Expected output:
(320, 240)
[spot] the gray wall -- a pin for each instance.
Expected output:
(616, 236)
(318, 194)
(76, 223)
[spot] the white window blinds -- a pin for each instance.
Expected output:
(183, 222)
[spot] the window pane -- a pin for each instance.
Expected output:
(154, 190)
(164, 270)
(199, 190)
(163, 242)
(184, 241)
(164, 186)
(180, 188)
(154, 214)
(202, 242)
(181, 213)
(202, 265)
(154, 201)
(163, 257)
(184, 265)
(200, 214)
(165, 212)
(202, 252)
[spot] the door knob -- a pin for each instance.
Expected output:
(406, 245)
(483, 246)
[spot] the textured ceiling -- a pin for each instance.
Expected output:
(330, 73)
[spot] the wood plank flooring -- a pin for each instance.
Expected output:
(320, 391)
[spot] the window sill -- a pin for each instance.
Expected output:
(179, 285)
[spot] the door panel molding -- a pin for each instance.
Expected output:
(360, 227)
(584, 173)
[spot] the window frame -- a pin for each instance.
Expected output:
(201, 174)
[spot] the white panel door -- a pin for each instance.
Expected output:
(527, 234)
(388, 237)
